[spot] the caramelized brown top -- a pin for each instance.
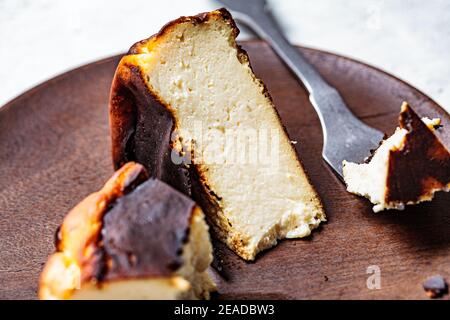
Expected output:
(144, 233)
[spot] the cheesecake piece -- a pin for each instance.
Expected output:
(136, 238)
(407, 168)
(178, 100)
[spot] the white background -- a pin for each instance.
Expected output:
(42, 38)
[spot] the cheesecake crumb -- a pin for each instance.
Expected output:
(435, 286)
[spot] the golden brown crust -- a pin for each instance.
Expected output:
(421, 166)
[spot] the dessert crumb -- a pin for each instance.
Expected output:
(435, 286)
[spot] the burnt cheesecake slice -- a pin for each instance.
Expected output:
(186, 104)
(407, 168)
(136, 238)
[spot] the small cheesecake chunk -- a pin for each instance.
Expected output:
(407, 168)
(136, 238)
(435, 286)
(186, 104)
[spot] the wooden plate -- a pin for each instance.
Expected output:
(54, 150)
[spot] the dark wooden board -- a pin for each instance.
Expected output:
(54, 150)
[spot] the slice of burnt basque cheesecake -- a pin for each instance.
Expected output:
(136, 238)
(178, 100)
(407, 168)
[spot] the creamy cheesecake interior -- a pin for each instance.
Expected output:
(206, 81)
(369, 179)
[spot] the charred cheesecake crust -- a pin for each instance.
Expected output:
(131, 103)
(420, 166)
(140, 121)
(107, 234)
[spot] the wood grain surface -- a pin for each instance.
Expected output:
(54, 150)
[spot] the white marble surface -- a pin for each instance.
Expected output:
(42, 38)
